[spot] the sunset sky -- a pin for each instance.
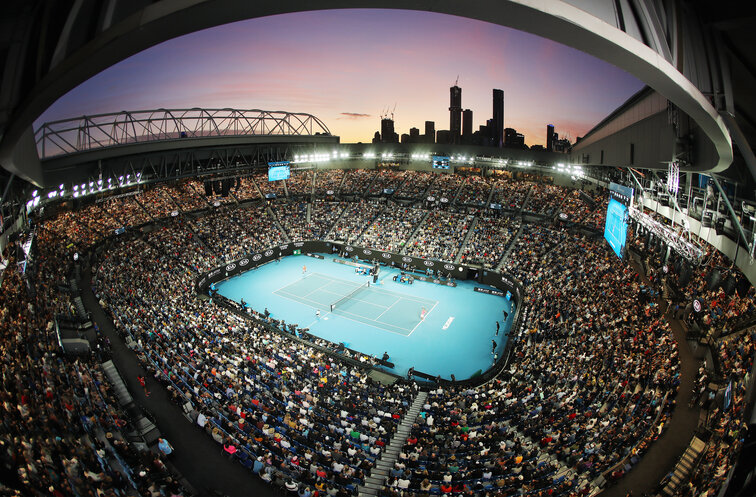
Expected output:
(348, 66)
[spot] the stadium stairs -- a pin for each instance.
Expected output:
(274, 217)
(509, 249)
(369, 224)
(490, 194)
(466, 239)
(525, 202)
(377, 478)
(458, 192)
(144, 209)
(684, 467)
(364, 193)
(333, 225)
(414, 232)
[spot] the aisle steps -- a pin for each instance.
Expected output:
(390, 455)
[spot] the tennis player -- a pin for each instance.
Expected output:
(304, 269)
(423, 313)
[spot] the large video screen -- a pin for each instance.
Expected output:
(441, 162)
(278, 170)
(615, 230)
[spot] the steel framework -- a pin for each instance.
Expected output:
(84, 133)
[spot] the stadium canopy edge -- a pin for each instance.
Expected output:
(163, 20)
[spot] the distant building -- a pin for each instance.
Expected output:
(549, 137)
(455, 113)
(387, 131)
(513, 139)
(467, 124)
(430, 132)
(406, 138)
(414, 135)
(443, 136)
(377, 137)
(497, 130)
(563, 145)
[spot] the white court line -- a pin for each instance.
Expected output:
(426, 315)
(381, 290)
(373, 320)
(405, 296)
(389, 307)
(317, 305)
(356, 300)
(297, 298)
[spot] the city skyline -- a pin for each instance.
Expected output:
(392, 58)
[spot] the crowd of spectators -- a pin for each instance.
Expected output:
(323, 216)
(246, 190)
(440, 236)
(126, 211)
(526, 259)
(589, 214)
(178, 240)
(511, 194)
(187, 197)
(727, 424)
(475, 192)
(68, 226)
(416, 185)
(328, 180)
(357, 181)
(545, 199)
(728, 301)
(387, 179)
(446, 186)
(226, 233)
(291, 411)
(277, 188)
(157, 202)
(288, 411)
(293, 217)
(214, 194)
(392, 228)
(356, 217)
(62, 432)
(489, 241)
(300, 182)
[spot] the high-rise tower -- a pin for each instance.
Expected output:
(455, 113)
(467, 124)
(497, 131)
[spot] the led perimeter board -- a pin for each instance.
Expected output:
(615, 230)
(278, 170)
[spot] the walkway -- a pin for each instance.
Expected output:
(667, 449)
(197, 457)
(375, 481)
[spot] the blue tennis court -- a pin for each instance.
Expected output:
(385, 309)
(454, 338)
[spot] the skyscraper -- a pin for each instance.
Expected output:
(455, 113)
(497, 133)
(387, 131)
(467, 123)
(550, 137)
(430, 132)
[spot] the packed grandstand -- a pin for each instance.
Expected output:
(303, 415)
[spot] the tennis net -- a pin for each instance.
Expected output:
(350, 295)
